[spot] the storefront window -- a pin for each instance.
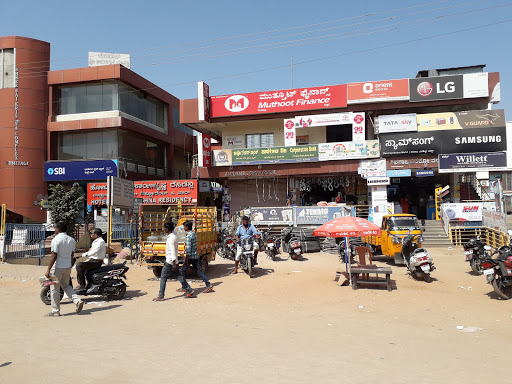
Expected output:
(111, 96)
(260, 140)
(134, 147)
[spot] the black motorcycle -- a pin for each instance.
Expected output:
(475, 253)
(247, 257)
(226, 247)
(499, 271)
(106, 281)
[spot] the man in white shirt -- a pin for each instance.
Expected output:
(63, 247)
(171, 259)
(96, 255)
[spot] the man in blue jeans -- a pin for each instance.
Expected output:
(171, 259)
(191, 257)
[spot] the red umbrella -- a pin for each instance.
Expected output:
(348, 226)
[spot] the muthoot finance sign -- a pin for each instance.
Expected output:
(301, 99)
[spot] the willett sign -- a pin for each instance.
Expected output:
(463, 162)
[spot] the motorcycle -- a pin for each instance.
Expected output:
(295, 248)
(353, 244)
(475, 253)
(418, 261)
(271, 243)
(499, 271)
(106, 281)
(247, 257)
(226, 246)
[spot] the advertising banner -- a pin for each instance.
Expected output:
(450, 141)
(80, 170)
(269, 216)
(425, 173)
(378, 181)
(399, 173)
(318, 215)
(234, 141)
(378, 91)
(463, 211)
(449, 87)
(494, 220)
(222, 157)
(323, 120)
(203, 99)
(358, 126)
(413, 163)
(461, 120)
(274, 155)
(472, 162)
(373, 168)
(397, 123)
(301, 99)
(348, 150)
(152, 192)
(207, 150)
(290, 138)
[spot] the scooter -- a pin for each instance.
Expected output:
(106, 281)
(418, 261)
(295, 248)
(247, 257)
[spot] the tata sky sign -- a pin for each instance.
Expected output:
(80, 170)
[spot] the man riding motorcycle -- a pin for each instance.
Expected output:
(245, 231)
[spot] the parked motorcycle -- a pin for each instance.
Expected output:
(295, 248)
(499, 271)
(271, 244)
(106, 281)
(226, 247)
(353, 243)
(418, 261)
(475, 254)
(247, 257)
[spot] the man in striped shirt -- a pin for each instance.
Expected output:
(192, 258)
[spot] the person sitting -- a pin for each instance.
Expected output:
(96, 255)
(245, 231)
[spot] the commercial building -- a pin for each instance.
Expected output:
(80, 125)
(315, 142)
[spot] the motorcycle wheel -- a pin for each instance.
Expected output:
(119, 294)
(427, 277)
(249, 268)
(157, 271)
(476, 266)
(46, 297)
(294, 256)
(505, 292)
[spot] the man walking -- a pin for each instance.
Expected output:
(96, 255)
(192, 257)
(63, 247)
(171, 259)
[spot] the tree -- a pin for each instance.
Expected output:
(66, 206)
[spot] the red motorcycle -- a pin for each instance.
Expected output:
(499, 271)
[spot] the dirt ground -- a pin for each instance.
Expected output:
(292, 323)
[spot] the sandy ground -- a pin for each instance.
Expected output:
(290, 324)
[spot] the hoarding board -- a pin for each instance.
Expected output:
(449, 141)
(373, 168)
(453, 87)
(397, 123)
(80, 170)
(300, 99)
(473, 162)
(348, 150)
(494, 220)
(295, 154)
(461, 120)
(318, 215)
(378, 91)
(271, 215)
(120, 192)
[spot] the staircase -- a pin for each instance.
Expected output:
(468, 192)
(434, 235)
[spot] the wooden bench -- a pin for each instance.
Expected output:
(357, 272)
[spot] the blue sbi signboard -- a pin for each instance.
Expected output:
(80, 170)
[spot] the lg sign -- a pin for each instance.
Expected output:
(236, 103)
(425, 88)
(436, 88)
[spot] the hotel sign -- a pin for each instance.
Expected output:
(97, 59)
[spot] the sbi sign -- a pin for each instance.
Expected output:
(56, 171)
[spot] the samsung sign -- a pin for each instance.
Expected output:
(80, 170)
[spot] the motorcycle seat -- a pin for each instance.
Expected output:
(419, 250)
(103, 269)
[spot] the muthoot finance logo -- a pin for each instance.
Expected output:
(236, 103)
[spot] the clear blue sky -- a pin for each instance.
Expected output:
(163, 37)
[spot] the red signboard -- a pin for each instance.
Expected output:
(152, 192)
(378, 91)
(300, 99)
(207, 150)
